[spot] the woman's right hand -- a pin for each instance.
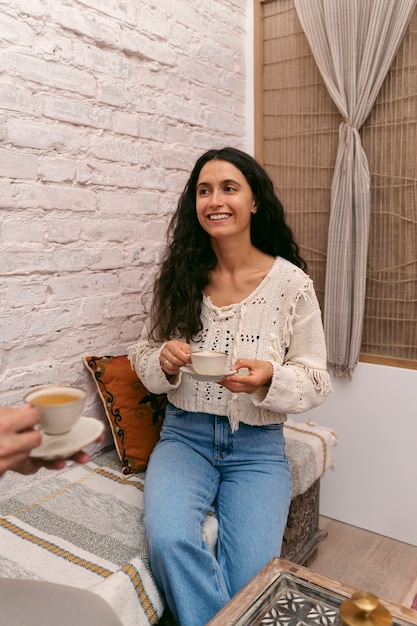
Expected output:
(174, 355)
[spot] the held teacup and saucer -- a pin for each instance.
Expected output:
(64, 429)
(208, 366)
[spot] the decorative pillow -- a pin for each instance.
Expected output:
(135, 415)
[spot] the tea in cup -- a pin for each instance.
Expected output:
(208, 362)
(60, 407)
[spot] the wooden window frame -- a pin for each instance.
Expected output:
(259, 155)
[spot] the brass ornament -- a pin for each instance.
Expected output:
(364, 609)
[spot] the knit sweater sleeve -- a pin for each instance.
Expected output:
(300, 380)
(144, 358)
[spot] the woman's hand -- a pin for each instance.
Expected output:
(30, 466)
(174, 355)
(18, 437)
(259, 374)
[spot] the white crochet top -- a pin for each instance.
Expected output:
(280, 322)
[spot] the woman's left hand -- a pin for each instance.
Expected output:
(259, 374)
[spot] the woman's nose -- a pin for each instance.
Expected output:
(216, 198)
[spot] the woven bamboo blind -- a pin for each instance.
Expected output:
(300, 134)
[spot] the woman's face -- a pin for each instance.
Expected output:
(224, 200)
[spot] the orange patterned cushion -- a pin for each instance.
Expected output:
(135, 415)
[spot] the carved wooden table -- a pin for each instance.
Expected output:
(284, 593)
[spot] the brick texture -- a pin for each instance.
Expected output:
(104, 107)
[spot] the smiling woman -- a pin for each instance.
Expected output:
(225, 198)
(190, 257)
(231, 281)
(225, 205)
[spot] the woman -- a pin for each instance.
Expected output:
(231, 280)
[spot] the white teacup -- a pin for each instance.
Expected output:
(208, 362)
(60, 407)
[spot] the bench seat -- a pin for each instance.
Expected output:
(83, 526)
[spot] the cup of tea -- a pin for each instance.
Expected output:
(208, 362)
(60, 407)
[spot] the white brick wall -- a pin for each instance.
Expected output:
(104, 107)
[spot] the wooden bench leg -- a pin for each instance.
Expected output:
(302, 534)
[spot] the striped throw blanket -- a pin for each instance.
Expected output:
(83, 526)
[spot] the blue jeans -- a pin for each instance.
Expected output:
(199, 463)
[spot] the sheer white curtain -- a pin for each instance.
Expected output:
(354, 43)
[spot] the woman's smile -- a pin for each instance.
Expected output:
(219, 216)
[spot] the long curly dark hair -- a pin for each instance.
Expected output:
(189, 257)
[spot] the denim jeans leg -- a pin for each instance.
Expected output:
(197, 463)
(180, 487)
(252, 503)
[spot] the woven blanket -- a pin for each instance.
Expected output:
(83, 526)
(309, 450)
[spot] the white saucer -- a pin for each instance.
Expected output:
(85, 431)
(189, 370)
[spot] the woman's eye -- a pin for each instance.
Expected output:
(229, 188)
